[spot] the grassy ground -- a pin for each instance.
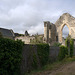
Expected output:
(49, 68)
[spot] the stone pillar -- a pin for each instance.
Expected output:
(46, 32)
(49, 31)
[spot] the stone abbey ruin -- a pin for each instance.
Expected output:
(53, 32)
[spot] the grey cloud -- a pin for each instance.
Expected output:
(21, 15)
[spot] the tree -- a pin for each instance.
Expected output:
(1, 35)
(26, 33)
(37, 39)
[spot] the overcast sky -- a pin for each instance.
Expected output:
(21, 15)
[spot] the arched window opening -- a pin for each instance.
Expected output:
(65, 32)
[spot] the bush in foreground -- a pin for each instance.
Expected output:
(10, 56)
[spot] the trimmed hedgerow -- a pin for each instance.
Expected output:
(43, 53)
(10, 56)
(63, 52)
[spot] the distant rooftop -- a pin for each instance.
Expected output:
(6, 32)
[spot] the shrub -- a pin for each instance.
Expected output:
(69, 43)
(71, 47)
(57, 44)
(10, 56)
(43, 53)
(35, 62)
(37, 40)
(1, 35)
(63, 52)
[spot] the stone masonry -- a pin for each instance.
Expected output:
(53, 32)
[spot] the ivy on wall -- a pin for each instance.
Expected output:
(70, 44)
(43, 53)
(62, 52)
(71, 47)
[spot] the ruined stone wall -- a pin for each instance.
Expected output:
(27, 56)
(53, 33)
(53, 54)
(46, 32)
(49, 32)
(69, 21)
(25, 39)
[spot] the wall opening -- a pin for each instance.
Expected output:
(65, 32)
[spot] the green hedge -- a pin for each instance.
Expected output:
(62, 52)
(57, 44)
(70, 44)
(10, 56)
(43, 53)
(71, 47)
(43, 56)
(35, 61)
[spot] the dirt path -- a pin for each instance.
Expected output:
(67, 69)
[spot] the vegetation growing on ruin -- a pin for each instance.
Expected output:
(57, 44)
(70, 44)
(63, 56)
(43, 53)
(63, 52)
(37, 40)
(71, 47)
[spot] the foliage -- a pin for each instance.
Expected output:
(10, 56)
(63, 52)
(69, 43)
(71, 47)
(43, 53)
(57, 44)
(21, 34)
(37, 40)
(26, 33)
(35, 62)
(52, 66)
(40, 57)
(1, 35)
